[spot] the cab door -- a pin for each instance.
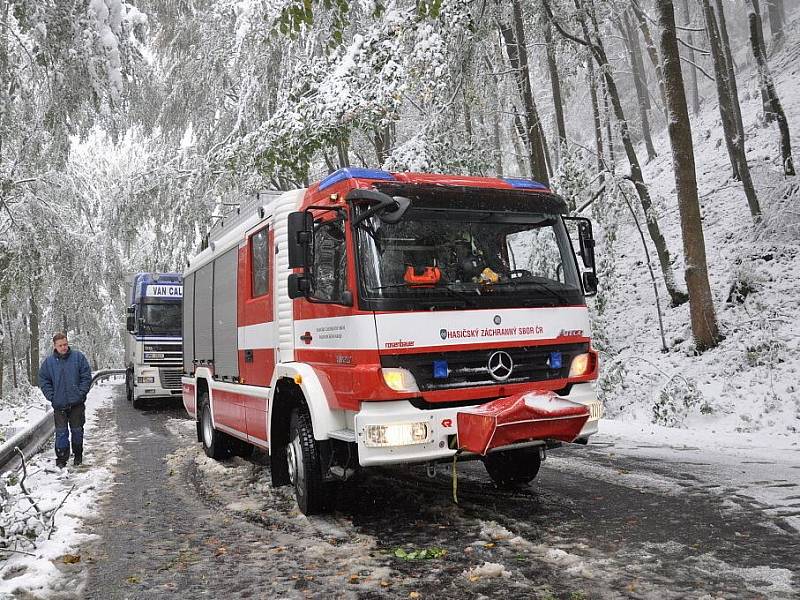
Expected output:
(256, 323)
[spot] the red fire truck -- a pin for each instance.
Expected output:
(381, 318)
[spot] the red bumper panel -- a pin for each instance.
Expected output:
(522, 417)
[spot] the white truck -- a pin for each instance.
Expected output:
(154, 341)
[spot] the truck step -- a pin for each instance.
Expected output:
(345, 435)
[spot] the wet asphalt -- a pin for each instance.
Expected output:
(177, 525)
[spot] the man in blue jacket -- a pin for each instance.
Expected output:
(65, 378)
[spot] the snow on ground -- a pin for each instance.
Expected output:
(34, 570)
(751, 381)
(762, 468)
(20, 408)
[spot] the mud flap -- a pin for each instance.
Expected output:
(529, 416)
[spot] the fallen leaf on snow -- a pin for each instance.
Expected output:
(71, 559)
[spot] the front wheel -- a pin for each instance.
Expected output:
(214, 442)
(305, 465)
(511, 468)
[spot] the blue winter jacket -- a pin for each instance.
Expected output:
(65, 380)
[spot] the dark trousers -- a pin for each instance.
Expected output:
(73, 417)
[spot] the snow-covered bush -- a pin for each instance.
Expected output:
(678, 396)
(745, 279)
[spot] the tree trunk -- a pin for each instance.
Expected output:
(598, 126)
(382, 142)
(495, 114)
(518, 57)
(343, 151)
(768, 84)
(731, 65)
(651, 51)
(555, 84)
(775, 11)
(2, 352)
(694, 92)
(10, 331)
(497, 147)
(701, 303)
(518, 136)
(765, 103)
(33, 323)
(598, 52)
(3, 75)
(612, 158)
(734, 141)
(639, 81)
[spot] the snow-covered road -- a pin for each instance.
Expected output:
(641, 513)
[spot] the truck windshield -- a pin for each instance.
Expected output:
(160, 319)
(466, 258)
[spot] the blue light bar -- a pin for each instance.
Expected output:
(525, 184)
(555, 360)
(440, 370)
(354, 173)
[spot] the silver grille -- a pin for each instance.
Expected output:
(170, 378)
(163, 354)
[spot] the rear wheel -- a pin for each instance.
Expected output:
(305, 465)
(128, 385)
(215, 443)
(512, 468)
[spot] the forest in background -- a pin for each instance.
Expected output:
(128, 128)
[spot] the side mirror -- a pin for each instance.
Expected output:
(587, 243)
(130, 320)
(299, 285)
(389, 209)
(586, 248)
(589, 283)
(301, 236)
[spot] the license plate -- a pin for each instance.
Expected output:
(153, 355)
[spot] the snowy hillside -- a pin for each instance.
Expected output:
(751, 382)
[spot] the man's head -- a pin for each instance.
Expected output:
(60, 343)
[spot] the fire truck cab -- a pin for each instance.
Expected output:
(382, 318)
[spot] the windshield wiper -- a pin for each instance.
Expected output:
(466, 298)
(515, 282)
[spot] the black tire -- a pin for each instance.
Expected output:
(137, 401)
(215, 443)
(513, 468)
(128, 386)
(305, 465)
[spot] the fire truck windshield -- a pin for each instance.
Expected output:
(160, 319)
(466, 258)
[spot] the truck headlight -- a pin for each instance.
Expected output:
(400, 380)
(583, 364)
(396, 434)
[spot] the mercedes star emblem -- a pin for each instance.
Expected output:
(500, 365)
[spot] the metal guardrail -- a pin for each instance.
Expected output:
(31, 439)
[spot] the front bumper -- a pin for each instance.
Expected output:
(442, 428)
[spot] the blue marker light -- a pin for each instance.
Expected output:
(354, 173)
(555, 360)
(440, 370)
(524, 184)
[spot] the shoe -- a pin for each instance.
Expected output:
(78, 451)
(62, 456)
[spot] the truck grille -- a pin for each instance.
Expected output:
(470, 368)
(170, 379)
(163, 354)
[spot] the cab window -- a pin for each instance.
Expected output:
(259, 259)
